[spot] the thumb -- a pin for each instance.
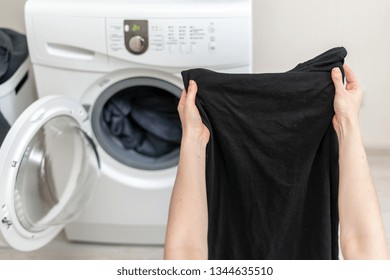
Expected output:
(337, 79)
(191, 93)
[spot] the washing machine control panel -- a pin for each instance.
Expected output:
(136, 36)
(171, 37)
(180, 42)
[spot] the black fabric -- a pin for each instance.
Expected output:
(13, 52)
(272, 161)
(144, 119)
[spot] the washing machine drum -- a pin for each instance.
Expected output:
(137, 123)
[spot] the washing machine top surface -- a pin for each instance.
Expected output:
(49, 169)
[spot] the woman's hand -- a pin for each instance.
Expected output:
(347, 100)
(362, 233)
(187, 226)
(193, 127)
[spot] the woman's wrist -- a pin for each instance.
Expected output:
(348, 127)
(191, 139)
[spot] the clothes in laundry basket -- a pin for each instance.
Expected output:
(272, 161)
(144, 119)
(13, 52)
(4, 128)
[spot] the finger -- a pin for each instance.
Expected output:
(191, 94)
(350, 76)
(335, 123)
(182, 100)
(337, 79)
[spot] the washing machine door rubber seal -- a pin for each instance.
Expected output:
(49, 168)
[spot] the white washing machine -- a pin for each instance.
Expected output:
(62, 162)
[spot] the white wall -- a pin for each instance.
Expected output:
(12, 14)
(288, 32)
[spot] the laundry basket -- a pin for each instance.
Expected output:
(17, 90)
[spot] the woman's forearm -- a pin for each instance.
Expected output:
(187, 223)
(361, 227)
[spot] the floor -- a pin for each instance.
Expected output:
(60, 248)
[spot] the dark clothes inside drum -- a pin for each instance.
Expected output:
(145, 120)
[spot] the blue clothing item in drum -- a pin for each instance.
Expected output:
(272, 161)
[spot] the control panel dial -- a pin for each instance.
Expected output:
(137, 44)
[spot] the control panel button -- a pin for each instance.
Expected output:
(193, 49)
(212, 47)
(137, 44)
(173, 49)
(184, 49)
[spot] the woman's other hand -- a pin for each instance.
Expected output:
(193, 127)
(347, 100)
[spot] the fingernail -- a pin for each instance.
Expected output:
(336, 70)
(191, 82)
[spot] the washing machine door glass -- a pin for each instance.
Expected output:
(50, 166)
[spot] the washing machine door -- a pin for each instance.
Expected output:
(49, 168)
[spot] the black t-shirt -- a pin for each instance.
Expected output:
(272, 161)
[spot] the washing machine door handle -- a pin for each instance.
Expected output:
(49, 169)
